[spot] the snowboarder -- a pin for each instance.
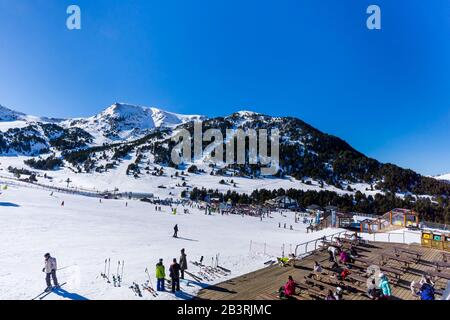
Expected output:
(50, 271)
(160, 275)
(175, 275)
(175, 231)
(183, 263)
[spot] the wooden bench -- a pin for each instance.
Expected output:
(397, 273)
(416, 254)
(445, 256)
(311, 291)
(320, 284)
(364, 261)
(441, 265)
(390, 256)
(356, 279)
(441, 274)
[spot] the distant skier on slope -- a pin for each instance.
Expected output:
(50, 271)
(175, 231)
(183, 263)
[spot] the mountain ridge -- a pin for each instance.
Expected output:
(123, 131)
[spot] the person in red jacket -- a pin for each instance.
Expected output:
(288, 290)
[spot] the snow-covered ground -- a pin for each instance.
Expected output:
(83, 233)
(117, 178)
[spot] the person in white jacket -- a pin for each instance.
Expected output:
(50, 271)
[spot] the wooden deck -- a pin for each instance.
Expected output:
(264, 284)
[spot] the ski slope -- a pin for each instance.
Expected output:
(84, 232)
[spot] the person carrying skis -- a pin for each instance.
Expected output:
(175, 231)
(50, 271)
(174, 273)
(183, 263)
(160, 275)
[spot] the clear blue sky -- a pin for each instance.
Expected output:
(385, 92)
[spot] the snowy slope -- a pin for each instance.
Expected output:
(83, 233)
(445, 177)
(10, 115)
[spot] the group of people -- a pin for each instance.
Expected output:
(176, 272)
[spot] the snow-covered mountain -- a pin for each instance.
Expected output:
(119, 122)
(140, 137)
(7, 114)
(123, 121)
(444, 177)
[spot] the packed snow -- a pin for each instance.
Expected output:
(84, 232)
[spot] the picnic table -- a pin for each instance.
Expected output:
(392, 256)
(356, 279)
(311, 290)
(320, 284)
(397, 273)
(366, 262)
(441, 265)
(445, 256)
(440, 274)
(410, 252)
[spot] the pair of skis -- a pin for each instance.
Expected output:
(45, 293)
(118, 277)
(136, 289)
(193, 276)
(148, 288)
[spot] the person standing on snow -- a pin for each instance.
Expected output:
(183, 263)
(50, 271)
(174, 271)
(160, 275)
(175, 231)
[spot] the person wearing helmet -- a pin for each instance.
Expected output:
(384, 285)
(338, 294)
(50, 271)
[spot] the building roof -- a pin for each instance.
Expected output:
(314, 207)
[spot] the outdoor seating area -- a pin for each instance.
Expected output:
(329, 274)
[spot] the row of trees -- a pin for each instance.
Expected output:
(436, 210)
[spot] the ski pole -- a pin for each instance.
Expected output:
(109, 268)
(148, 274)
(118, 266)
(104, 273)
(123, 263)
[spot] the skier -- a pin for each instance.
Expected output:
(175, 231)
(50, 270)
(183, 263)
(160, 275)
(175, 275)
(62, 204)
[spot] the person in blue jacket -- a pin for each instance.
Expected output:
(384, 286)
(427, 291)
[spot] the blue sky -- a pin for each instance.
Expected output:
(385, 92)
